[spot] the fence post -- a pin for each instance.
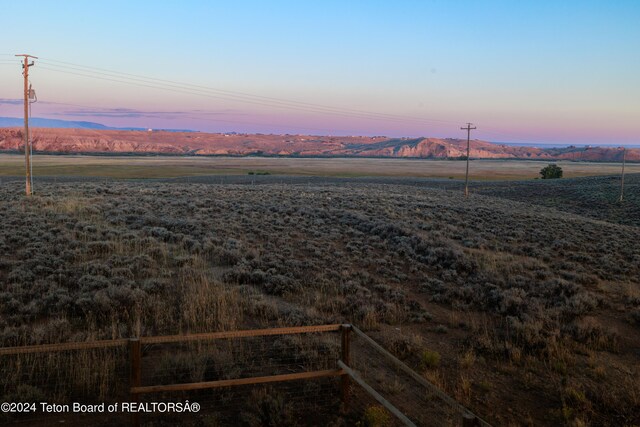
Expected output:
(135, 379)
(346, 359)
(470, 421)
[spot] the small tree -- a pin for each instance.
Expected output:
(552, 171)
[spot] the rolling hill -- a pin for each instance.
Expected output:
(62, 140)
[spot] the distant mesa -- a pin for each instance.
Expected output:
(37, 122)
(6, 122)
(60, 136)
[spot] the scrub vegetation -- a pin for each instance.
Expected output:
(523, 311)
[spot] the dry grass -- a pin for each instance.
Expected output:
(168, 167)
(518, 292)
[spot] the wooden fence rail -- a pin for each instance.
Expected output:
(47, 348)
(136, 362)
(239, 381)
(240, 334)
(377, 396)
(342, 369)
(467, 416)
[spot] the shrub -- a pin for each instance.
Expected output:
(404, 347)
(589, 332)
(268, 408)
(552, 171)
(441, 329)
(376, 416)
(429, 359)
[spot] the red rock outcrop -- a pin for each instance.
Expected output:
(196, 143)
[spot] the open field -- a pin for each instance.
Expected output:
(520, 307)
(167, 167)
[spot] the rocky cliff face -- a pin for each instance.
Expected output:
(194, 143)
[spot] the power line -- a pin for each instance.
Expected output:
(510, 137)
(129, 78)
(235, 93)
(196, 90)
(191, 92)
(195, 114)
(244, 97)
(188, 86)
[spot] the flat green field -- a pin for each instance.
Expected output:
(169, 167)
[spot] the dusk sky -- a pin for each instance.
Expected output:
(536, 71)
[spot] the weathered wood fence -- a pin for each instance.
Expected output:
(349, 377)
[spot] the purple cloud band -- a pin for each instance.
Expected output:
(81, 111)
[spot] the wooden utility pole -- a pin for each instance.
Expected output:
(27, 142)
(466, 176)
(624, 152)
